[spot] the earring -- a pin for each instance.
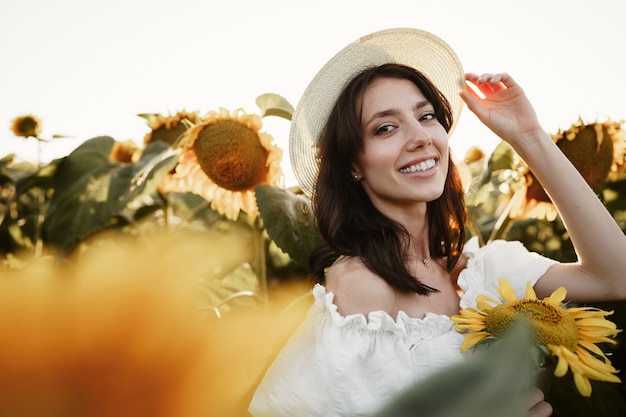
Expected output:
(356, 177)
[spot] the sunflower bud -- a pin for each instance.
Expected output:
(26, 126)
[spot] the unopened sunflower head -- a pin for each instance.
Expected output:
(26, 126)
(125, 152)
(223, 158)
(473, 155)
(569, 334)
(597, 151)
(168, 128)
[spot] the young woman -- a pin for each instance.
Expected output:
(388, 200)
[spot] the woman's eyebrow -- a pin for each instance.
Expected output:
(421, 104)
(390, 112)
(383, 113)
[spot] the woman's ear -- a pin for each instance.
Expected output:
(356, 175)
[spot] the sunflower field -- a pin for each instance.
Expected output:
(161, 279)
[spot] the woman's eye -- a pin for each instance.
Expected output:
(427, 116)
(381, 130)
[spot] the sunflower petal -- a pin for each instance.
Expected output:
(595, 363)
(597, 370)
(471, 340)
(557, 296)
(592, 347)
(562, 366)
(469, 313)
(589, 312)
(597, 375)
(466, 318)
(530, 292)
(506, 290)
(477, 327)
(484, 305)
(582, 385)
(595, 333)
(595, 322)
(485, 298)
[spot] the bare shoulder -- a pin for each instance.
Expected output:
(357, 289)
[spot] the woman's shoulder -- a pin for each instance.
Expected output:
(357, 289)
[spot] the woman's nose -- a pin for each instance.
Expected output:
(417, 136)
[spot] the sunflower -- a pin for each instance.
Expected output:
(569, 334)
(597, 151)
(168, 128)
(223, 158)
(124, 152)
(26, 126)
(473, 154)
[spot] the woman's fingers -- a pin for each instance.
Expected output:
(488, 83)
(537, 407)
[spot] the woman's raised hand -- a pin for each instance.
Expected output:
(501, 104)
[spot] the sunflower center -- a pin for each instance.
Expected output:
(26, 126)
(591, 152)
(231, 155)
(590, 149)
(548, 324)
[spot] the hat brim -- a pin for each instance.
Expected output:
(411, 47)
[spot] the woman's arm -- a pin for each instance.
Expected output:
(600, 244)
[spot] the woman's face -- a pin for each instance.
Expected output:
(404, 161)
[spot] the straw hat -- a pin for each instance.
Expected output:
(412, 47)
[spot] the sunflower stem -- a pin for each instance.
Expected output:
(504, 221)
(168, 211)
(39, 216)
(475, 231)
(260, 261)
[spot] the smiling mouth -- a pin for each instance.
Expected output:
(419, 167)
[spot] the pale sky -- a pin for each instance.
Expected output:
(88, 67)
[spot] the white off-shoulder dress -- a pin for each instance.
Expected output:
(351, 365)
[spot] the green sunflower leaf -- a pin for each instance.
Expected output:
(502, 158)
(289, 221)
(274, 105)
(15, 172)
(93, 193)
(91, 155)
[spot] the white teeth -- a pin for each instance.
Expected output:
(422, 166)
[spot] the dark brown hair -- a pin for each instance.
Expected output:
(346, 218)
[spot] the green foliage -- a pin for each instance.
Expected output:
(493, 182)
(24, 189)
(73, 199)
(93, 193)
(289, 221)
